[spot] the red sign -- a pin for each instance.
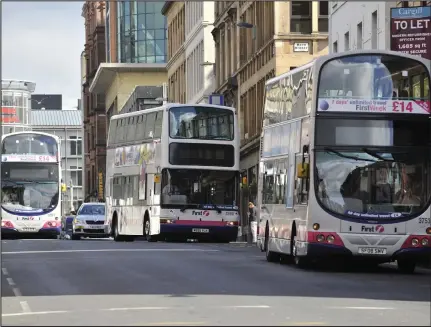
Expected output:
(9, 116)
(411, 31)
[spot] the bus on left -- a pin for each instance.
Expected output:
(30, 185)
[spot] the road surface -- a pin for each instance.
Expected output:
(99, 282)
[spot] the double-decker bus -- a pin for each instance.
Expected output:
(345, 160)
(173, 172)
(30, 184)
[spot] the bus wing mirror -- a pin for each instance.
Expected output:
(302, 170)
(73, 212)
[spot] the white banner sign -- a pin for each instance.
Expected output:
(374, 106)
(27, 158)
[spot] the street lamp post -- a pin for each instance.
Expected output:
(249, 237)
(71, 196)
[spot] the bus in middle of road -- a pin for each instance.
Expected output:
(172, 172)
(30, 185)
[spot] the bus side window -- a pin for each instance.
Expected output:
(135, 188)
(268, 196)
(131, 129)
(116, 138)
(112, 132)
(158, 124)
(120, 131)
(149, 125)
(140, 132)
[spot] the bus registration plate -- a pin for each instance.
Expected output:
(200, 230)
(372, 251)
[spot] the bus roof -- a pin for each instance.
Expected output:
(324, 58)
(31, 132)
(167, 106)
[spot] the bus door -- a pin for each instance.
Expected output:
(150, 189)
(153, 189)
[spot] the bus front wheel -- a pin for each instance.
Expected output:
(117, 236)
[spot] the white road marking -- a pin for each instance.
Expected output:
(4, 271)
(32, 313)
(112, 250)
(39, 239)
(247, 307)
(363, 308)
(10, 281)
(16, 292)
(27, 311)
(305, 323)
(137, 308)
(25, 307)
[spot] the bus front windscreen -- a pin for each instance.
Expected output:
(29, 143)
(374, 84)
(29, 186)
(197, 188)
(373, 168)
(202, 123)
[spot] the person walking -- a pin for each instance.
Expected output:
(252, 222)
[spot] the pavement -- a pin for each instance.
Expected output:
(100, 282)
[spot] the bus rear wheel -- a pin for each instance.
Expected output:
(406, 266)
(270, 255)
(147, 229)
(301, 262)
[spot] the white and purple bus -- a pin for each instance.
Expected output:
(30, 185)
(345, 167)
(172, 172)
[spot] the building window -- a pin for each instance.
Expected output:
(76, 175)
(374, 30)
(301, 21)
(323, 17)
(75, 145)
(347, 41)
(141, 32)
(359, 36)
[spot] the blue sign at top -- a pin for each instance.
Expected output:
(216, 99)
(411, 13)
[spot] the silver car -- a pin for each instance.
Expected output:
(90, 221)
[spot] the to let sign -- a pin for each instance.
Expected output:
(411, 31)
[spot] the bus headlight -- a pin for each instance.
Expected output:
(320, 238)
(424, 242)
(166, 221)
(330, 239)
(415, 242)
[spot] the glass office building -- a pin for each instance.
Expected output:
(16, 105)
(141, 32)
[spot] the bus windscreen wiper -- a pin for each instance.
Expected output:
(329, 150)
(215, 206)
(375, 155)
